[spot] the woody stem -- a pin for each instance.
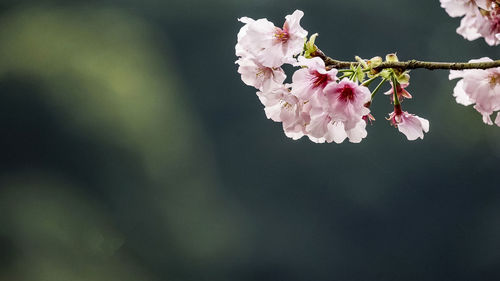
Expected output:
(411, 64)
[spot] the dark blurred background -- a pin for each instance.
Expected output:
(131, 150)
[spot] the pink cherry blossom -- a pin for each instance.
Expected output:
(412, 126)
(270, 45)
(323, 128)
(312, 79)
(480, 87)
(240, 50)
(295, 117)
(460, 95)
(281, 106)
(255, 74)
(469, 26)
(489, 27)
(481, 19)
(402, 92)
(346, 101)
(338, 113)
(273, 101)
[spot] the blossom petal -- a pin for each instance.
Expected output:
(412, 126)
(460, 95)
(497, 120)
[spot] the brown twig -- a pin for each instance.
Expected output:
(411, 64)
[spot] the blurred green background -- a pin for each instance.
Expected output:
(131, 150)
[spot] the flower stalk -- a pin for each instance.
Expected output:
(378, 87)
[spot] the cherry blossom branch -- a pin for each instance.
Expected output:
(411, 64)
(329, 100)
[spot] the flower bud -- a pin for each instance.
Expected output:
(374, 62)
(404, 78)
(391, 58)
(361, 61)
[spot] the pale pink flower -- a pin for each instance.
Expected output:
(255, 74)
(480, 87)
(489, 26)
(469, 26)
(250, 38)
(295, 117)
(412, 126)
(281, 106)
(312, 79)
(338, 113)
(482, 21)
(322, 128)
(338, 133)
(460, 95)
(272, 46)
(402, 92)
(481, 18)
(240, 50)
(458, 8)
(346, 101)
(273, 101)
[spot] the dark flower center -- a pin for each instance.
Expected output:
(495, 20)
(347, 93)
(320, 80)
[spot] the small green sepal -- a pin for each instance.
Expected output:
(309, 47)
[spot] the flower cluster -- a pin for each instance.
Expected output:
(321, 102)
(481, 88)
(481, 18)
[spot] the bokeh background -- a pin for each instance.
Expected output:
(131, 150)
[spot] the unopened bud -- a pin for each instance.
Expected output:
(404, 78)
(391, 58)
(361, 61)
(374, 62)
